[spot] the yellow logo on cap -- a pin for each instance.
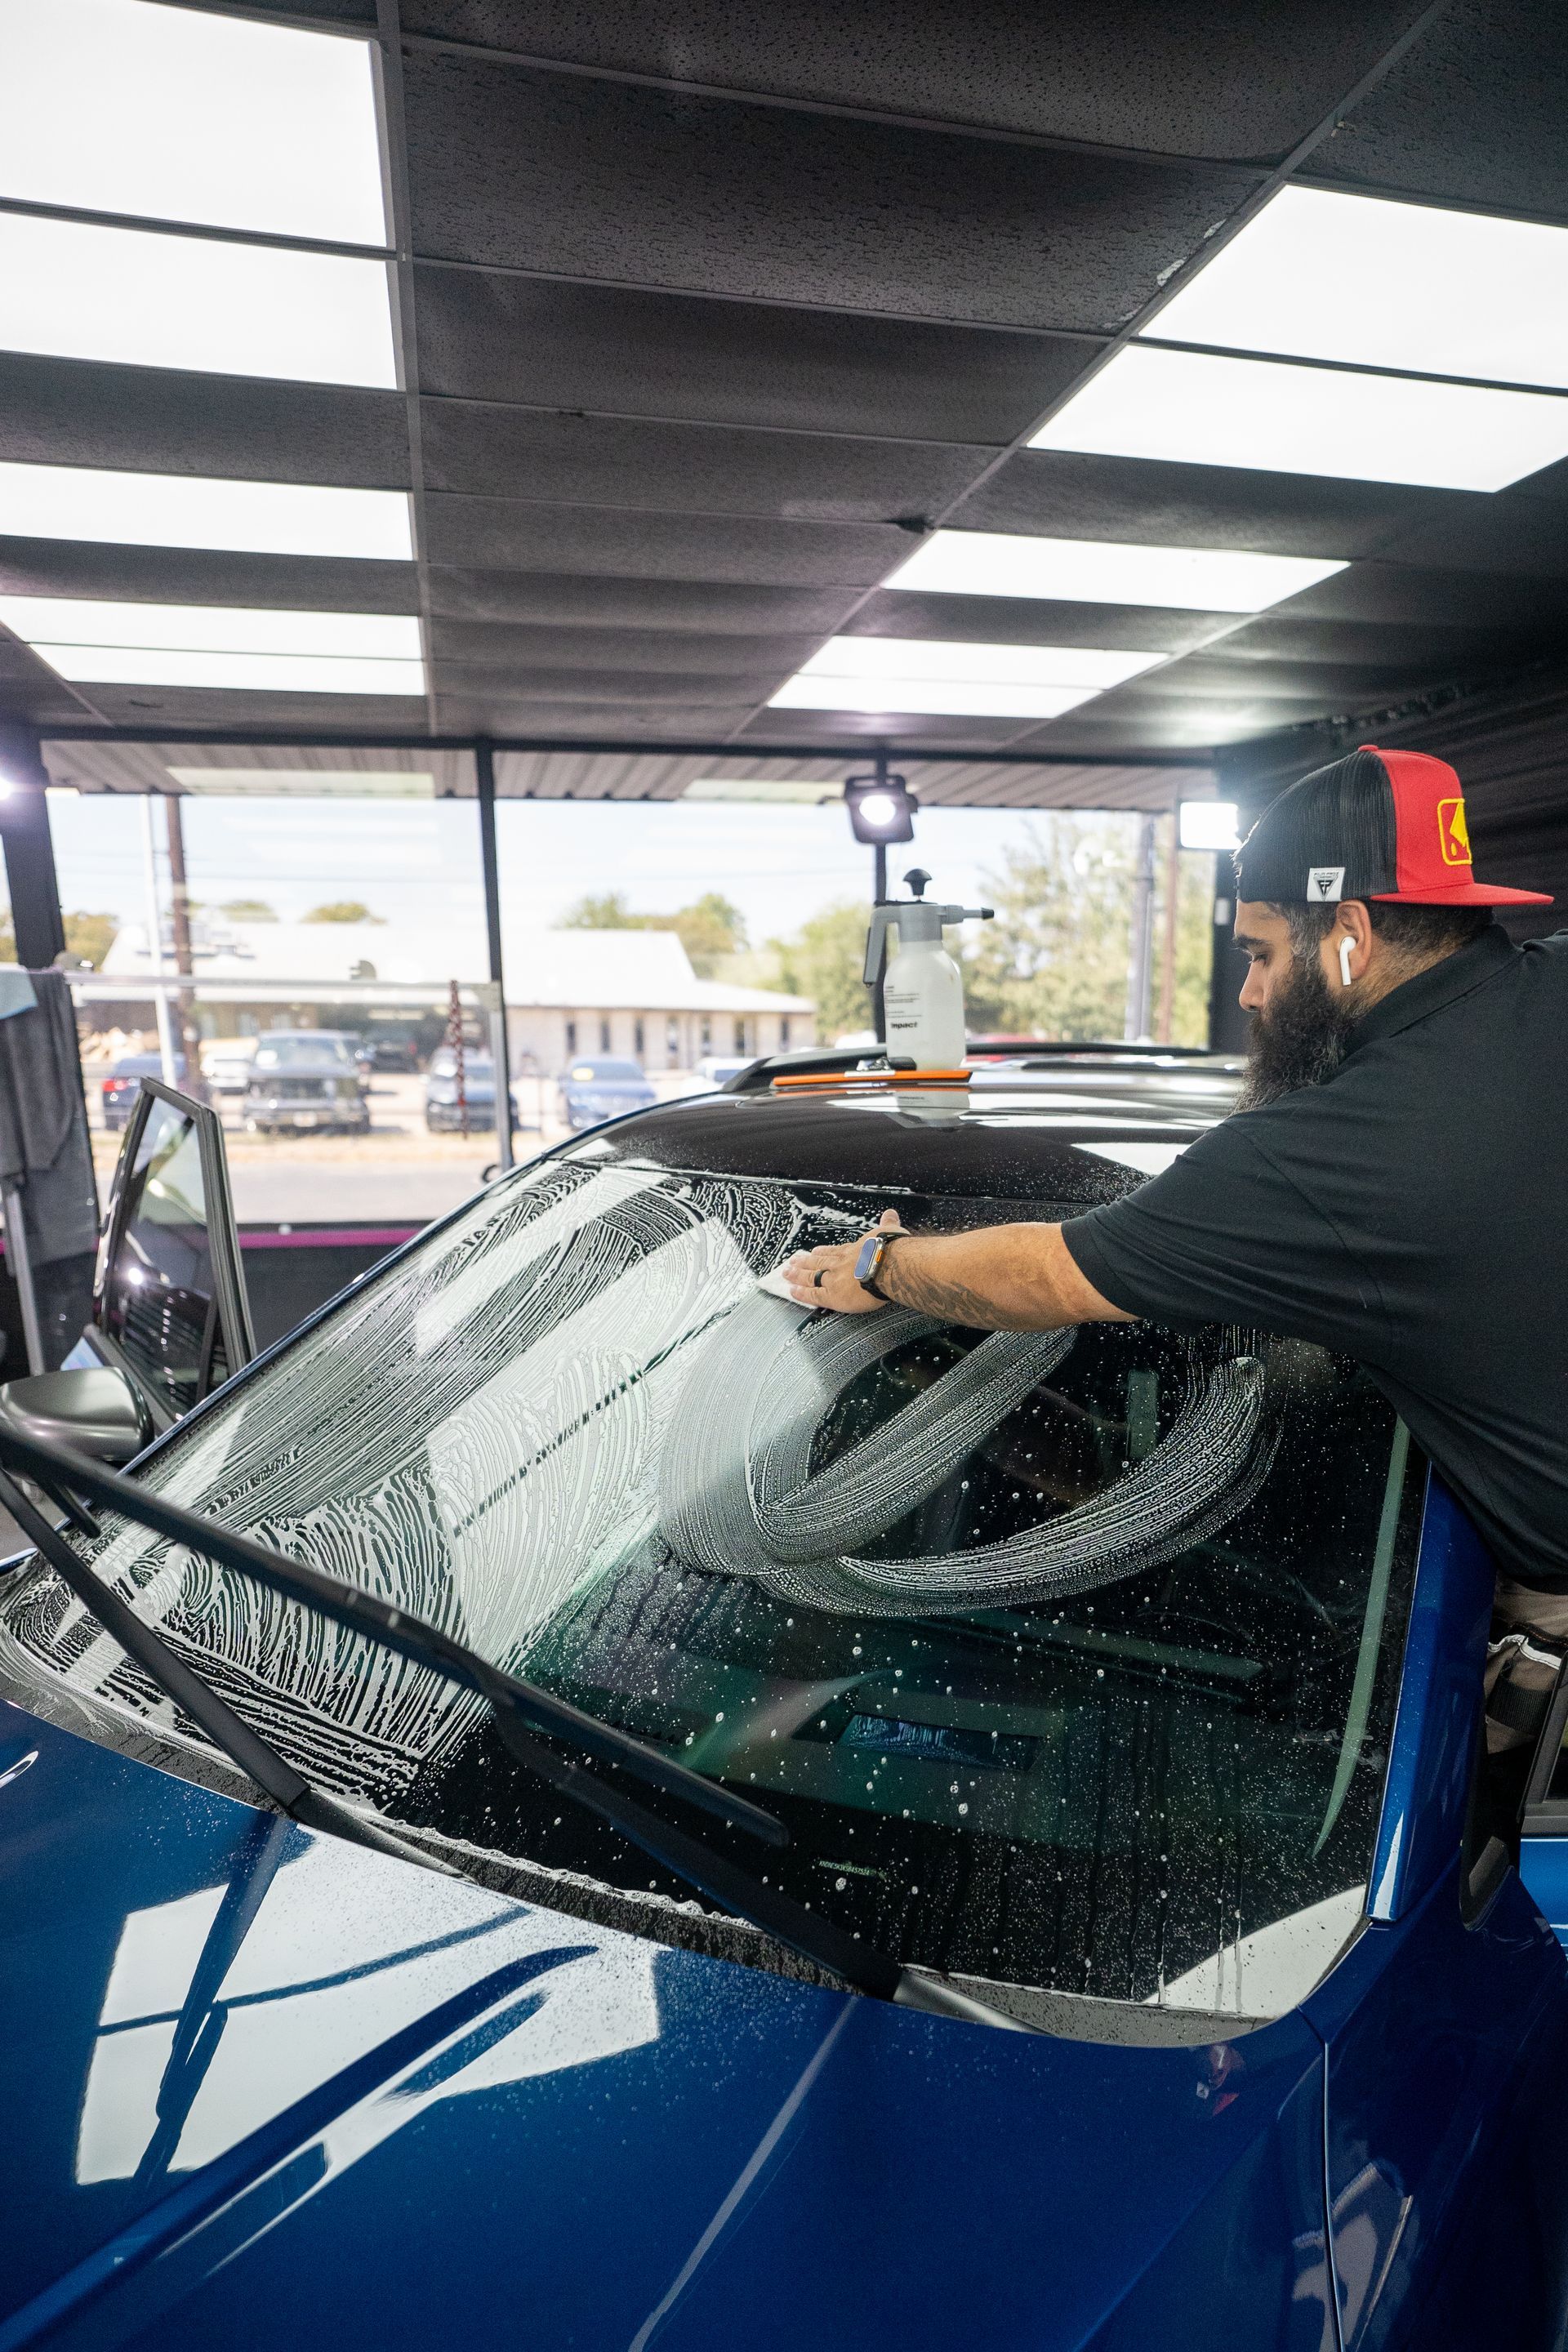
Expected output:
(1453, 832)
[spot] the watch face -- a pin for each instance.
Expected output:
(866, 1262)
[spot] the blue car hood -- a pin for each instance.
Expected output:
(272, 2090)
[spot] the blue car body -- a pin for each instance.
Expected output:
(269, 2089)
(596, 1088)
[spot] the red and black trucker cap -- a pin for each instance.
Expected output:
(1375, 824)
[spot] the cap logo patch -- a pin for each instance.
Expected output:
(1453, 832)
(1324, 882)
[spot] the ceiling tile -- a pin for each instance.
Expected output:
(598, 180)
(518, 647)
(619, 351)
(180, 708)
(1508, 533)
(1456, 647)
(557, 599)
(1033, 621)
(1474, 112)
(613, 462)
(487, 708)
(506, 534)
(161, 421)
(172, 576)
(566, 682)
(1064, 494)
(806, 728)
(1241, 81)
(1397, 592)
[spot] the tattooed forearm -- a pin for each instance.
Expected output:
(906, 1282)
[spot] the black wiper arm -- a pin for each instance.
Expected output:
(365, 1612)
(256, 1757)
(735, 1888)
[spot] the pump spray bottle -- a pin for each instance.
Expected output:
(923, 992)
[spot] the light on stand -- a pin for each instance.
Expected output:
(1207, 824)
(881, 809)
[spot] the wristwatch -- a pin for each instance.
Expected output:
(869, 1263)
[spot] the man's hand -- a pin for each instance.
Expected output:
(826, 1278)
(1000, 1278)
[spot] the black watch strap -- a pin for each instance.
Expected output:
(873, 1250)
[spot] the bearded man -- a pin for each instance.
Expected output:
(1391, 1185)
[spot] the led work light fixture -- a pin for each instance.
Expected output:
(1207, 824)
(881, 809)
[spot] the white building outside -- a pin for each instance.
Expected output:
(568, 993)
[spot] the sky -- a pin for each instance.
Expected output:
(412, 860)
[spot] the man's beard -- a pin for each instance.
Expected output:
(1298, 1041)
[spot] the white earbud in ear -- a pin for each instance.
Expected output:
(1347, 946)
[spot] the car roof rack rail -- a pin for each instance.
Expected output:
(828, 1061)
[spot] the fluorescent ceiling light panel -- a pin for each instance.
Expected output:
(190, 510)
(260, 673)
(924, 658)
(332, 783)
(210, 628)
(119, 106)
(775, 789)
(929, 697)
(1317, 275)
(1200, 409)
(74, 291)
(105, 644)
(1107, 571)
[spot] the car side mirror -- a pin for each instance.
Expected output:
(96, 1411)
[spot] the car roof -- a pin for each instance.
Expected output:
(1072, 1134)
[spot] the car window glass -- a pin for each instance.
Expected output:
(291, 1053)
(158, 1291)
(1068, 1659)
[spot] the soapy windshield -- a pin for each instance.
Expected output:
(1068, 1659)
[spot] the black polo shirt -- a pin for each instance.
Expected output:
(1411, 1211)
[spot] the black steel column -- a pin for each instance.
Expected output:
(485, 780)
(35, 917)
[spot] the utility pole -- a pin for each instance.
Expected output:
(180, 907)
(1140, 955)
(155, 948)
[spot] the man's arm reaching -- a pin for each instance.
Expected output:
(1000, 1278)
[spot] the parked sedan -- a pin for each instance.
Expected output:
(591, 1091)
(1032, 1903)
(124, 1084)
(443, 1107)
(305, 1080)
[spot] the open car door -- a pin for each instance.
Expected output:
(171, 1320)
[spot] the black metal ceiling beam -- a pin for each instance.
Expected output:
(262, 738)
(387, 55)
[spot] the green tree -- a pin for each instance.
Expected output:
(89, 936)
(1054, 962)
(244, 911)
(610, 913)
(341, 910)
(710, 928)
(824, 959)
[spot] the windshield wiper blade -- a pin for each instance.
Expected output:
(734, 1887)
(256, 1757)
(365, 1612)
